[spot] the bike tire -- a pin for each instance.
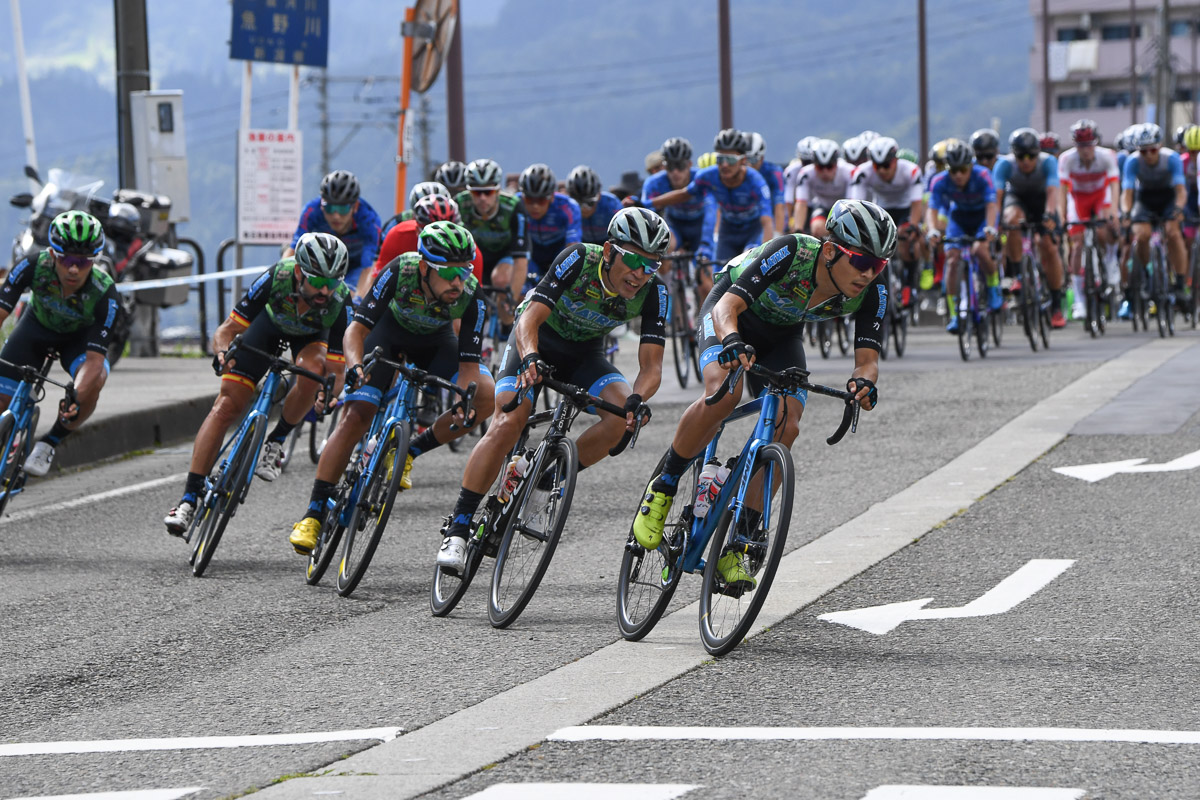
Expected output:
(885, 336)
(330, 537)
(230, 490)
(10, 473)
(1030, 312)
(1091, 293)
(844, 336)
(900, 332)
(1158, 283)
(726, 615)
(522, 559)
(825, 337)
(679, 352)
(964, 316)
(647, 580)
(980, 323)
(447, 589)
(289, 447)
(1192, 304)
(996, 323)
(374, 506)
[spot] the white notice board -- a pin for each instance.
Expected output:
(269, 186)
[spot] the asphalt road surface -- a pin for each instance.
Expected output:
(1055, 655)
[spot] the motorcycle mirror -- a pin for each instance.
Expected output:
(22, 200)
(32, 173)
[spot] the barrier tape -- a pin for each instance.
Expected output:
(162, 283)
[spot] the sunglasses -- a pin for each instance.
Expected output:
(884, 164)
(863, 263)
(82, 262)
(484, 192)
(728, 160)
(636, 261)
(318, 282)
(337, 208)
(452, 273)
(1027, 157)
(589, 202)
(826, 167)
(537, 201)
(1149, 150)
(677, 166)
(960, 170)
(985, 156)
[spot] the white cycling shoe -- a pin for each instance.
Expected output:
(271, 463)
(453, 555)
(40, 458)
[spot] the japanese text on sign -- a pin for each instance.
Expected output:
(270, 186)
(281, 31)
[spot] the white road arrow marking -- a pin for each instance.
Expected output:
(1098, 472)
(972, 793)
(143, 794)
(1006, 595)
(584, 791)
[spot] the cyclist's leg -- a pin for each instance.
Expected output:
(817, 221)
(309, 353)
(27, 345)
(1176, 248)
(502, 276)
(606, 382)
(442, 360)
(89, 371)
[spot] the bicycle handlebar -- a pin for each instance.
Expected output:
(284, 365)
(583, 399)
(422, 378)
(34, 374)
(789, 380)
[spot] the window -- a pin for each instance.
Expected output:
(1181, 28)
(1111, 33)
(1072, 102)
(1072, 34)
(1183, 94)
(1114, 98)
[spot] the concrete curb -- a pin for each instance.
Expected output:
(142, 429)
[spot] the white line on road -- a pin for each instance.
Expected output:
(972, 793)
(40, 511)
(195, 742)
(609, 733)
(583, 791)
(456, 747)
(142, 794)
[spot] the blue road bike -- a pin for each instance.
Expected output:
(19, 422)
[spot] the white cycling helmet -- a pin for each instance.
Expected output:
(855, 149)
(425, 189)
(883, 149)
(804, 148)
(756, 149)
(825, 152)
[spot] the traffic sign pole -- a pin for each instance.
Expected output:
(410, 16)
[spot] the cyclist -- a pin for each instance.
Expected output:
(1189, 152)
(300, 302)
(756, 153)
(1153, 192)
(854, 150)
(1049, 143)
(762, 300)
(1027, 189)
(743, 197)
(403, 237)
(497, 224)
(691, 222)
(340, 211)
(1090, 181)
(554, 220)
(408, 310)
(452, 175)
(791, 176)
(985, 143)
(596, 206)
(72, 310)
(820, 185)
(965, 198)
(422, 189)
(588, 291)
(894, 185)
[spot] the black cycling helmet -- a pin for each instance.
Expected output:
(676, 149)
(537, 180)
(339, 187)
(1024, 141)
(730, 139)
(583, 183)
(958, 154)
(985, 141)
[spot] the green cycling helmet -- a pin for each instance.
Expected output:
(76, 233)
(906, 154)
(446, 242)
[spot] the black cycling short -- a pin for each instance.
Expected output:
(899, 215)
(29, 344)
(248, 368)
(1154, 207)
(579, 363)
(436, 353)
(1034, 206)
(775, 346)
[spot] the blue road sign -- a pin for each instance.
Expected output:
(281, 31)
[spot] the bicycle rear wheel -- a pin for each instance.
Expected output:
(319, 431)
(964, 315)
(825, 337)
(229, 489)
(844, 336)
(1030, 312)
(743, 556)
(371, 512)
(1158, 282)
(1091, 293)
(648, 578)
(532, 532)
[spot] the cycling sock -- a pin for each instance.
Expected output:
(56, 434)
(464, 509)
(993, 280)
(321, 492)
(1014, 267)
(424, 442)
(1056, 299)
(281, 431)
(952, 304)
(194, 487)
(674, 466)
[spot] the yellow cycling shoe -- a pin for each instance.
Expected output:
(406, 476)
(926, 280)
(651, 518)
(304, 535)
(732, 567)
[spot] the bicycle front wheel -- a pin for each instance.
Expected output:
(332, 531)
(745, 554)
(532, 532)
(648, 578)
(229, 490)
(371, 512)
(14, 457)
(448, 588)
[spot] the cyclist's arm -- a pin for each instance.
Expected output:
(1127, 201)
(653, 342)
(352, 343)
(470, 339)
(990, 214)
(99, 334)
(335, 357)
(249, 307)
(525, 332)
(671, 198)
(725, 314)
(1177, 179)
(19, 279)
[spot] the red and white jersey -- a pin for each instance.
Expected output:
(1080, 178)
(818, 192)
(904, 189)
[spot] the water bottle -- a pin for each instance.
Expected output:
(703, 488)
(516, 471)
(368, 449)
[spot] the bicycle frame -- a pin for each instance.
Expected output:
(21, 408)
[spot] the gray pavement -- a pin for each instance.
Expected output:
(106, 634)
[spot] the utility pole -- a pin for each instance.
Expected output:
(1133, 76)
(23, 91)
(1046, 64)
(133, 75)
(323, 110)
(922, 81)
(1162, 68)
(455, 117)
(726, 65)
(424, 129)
